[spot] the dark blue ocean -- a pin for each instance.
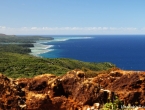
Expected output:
(125, 51)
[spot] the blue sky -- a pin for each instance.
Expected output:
(72, 17)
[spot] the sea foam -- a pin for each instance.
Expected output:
(40, 49)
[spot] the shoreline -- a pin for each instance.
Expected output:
(40, 48)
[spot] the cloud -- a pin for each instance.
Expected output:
(2, 27)
(71, 30)
(34, 28)
(143, 29)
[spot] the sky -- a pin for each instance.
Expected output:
(77, 17)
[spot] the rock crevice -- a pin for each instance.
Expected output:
(72, 91)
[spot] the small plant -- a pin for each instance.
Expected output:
(112, 105)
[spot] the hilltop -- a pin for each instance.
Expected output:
(74, 91)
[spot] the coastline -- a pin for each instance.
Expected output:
(40, 48)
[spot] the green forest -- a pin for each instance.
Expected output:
(16, 62)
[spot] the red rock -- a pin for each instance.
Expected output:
(72, 91)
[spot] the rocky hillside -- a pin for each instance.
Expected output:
(73, 91)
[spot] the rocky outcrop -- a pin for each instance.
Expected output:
(72, 91)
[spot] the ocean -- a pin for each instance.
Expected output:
(125, 51)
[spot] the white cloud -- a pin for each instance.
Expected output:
(143, 29)
(71, 30)
(35, 28)
(2, 27)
